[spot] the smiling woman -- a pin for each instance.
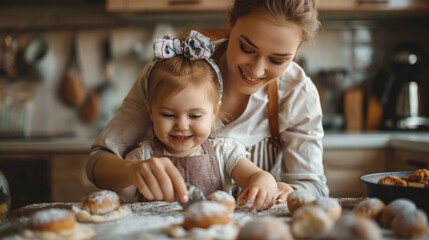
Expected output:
(263, 37)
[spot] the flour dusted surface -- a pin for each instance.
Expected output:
(150, 219)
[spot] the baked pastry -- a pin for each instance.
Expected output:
(298, 198)
(204, 214)
(420, 175)
(310, 221)
(393, 181)
(330, 205)
(101, 206)
(224, 198)
(53, 220)
(393, 209)
(410, 224)
(352, 226)
(370, 207)
(101, 202)
(55, 223)
(419, 178)
(417, 184)
(265, 228)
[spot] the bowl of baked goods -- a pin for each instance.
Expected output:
(389, 186)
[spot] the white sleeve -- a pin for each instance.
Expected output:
(228, 151)
(302, 164)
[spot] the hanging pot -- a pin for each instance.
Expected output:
(71, 89)
(90, 110)
(95, 109)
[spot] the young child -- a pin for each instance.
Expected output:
(183, 93)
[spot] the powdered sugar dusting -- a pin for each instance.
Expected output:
(412, 217)
(204, 209)
(103, 195)
(147, 219)
(327, 203)
(401, 204)
(301, 196)
(221, 196)
(369, 207)
(49, 215)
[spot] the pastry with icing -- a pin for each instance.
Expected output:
(101, 206)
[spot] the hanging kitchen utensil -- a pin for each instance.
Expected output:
(71, 89)
(108, 67)
(35, 51)
(95, 107)
(10, 56)
(90, 110)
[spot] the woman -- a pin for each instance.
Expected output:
(264, 36)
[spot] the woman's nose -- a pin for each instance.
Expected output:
(257, 68)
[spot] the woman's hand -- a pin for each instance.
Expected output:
(260, 193)
(284, 190)
(158, 179)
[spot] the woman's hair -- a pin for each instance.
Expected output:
(168, 77)
(301, 12)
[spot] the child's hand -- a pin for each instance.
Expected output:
(158, 179)
(261, 193)
(284, 190)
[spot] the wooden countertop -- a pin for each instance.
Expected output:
(149, 219)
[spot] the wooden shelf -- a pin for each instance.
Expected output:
(354, 6)
(54, 16)
(324, 6)
(154, 6)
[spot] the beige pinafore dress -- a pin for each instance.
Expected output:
(200, 171)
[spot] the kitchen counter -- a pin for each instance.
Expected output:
(55, 144)
(150, 220)
(377, 140)
(332, 140)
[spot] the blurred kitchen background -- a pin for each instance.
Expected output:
(66, 65)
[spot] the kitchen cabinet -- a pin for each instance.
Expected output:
(405, 160)
(28, 176)
(324, 6)
(415, 6)
(36, 177)
(344, 167)
(68, 177)
(168, 5)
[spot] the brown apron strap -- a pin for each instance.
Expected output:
(273, 113)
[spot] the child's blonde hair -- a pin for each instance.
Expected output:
(170, 76)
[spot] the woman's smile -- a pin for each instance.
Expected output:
(247, 79)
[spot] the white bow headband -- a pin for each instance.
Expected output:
(195, 46)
